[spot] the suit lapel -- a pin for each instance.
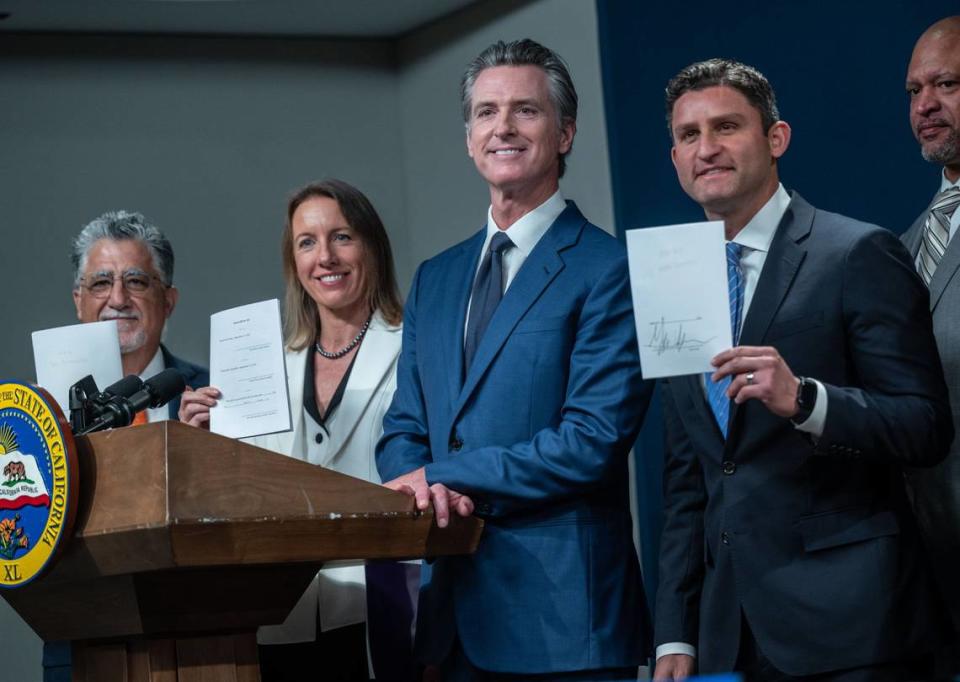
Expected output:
(539, 269)
(949, 264)
(945, 271)
(295, 363)
(691, 388)
(912, 237)
(190, 376)
(451, 319)
(779, 270)
(374, 360)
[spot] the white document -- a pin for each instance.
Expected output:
(64, 355)
(678, 278)
(246, 364)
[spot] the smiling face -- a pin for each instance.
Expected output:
(513, 134)
(933, 83)
(330, 258)
(724, 159)
(140, 316)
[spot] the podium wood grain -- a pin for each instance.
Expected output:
(186, 541)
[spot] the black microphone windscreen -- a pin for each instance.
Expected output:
(126, 387)
(165, 386)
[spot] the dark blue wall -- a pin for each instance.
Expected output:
(838, 70)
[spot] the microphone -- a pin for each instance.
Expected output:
(125, 388)
(87, 402)
(156, 391)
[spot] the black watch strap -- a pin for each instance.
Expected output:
(806, 399)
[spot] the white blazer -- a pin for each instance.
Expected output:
(347, 446)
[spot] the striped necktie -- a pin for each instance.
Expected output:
(936, 232)
(717, 390)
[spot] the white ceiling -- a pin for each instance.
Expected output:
(340, 18)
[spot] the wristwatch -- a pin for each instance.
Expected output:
(806, 399)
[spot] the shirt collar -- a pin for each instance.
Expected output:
(527, 231)
(945, 184)
(154, 367)
(758, 233)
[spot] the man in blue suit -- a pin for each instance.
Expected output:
(789, 550)
(518, 397)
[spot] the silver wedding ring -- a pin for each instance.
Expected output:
(749, 378)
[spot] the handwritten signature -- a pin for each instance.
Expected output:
(670, 335)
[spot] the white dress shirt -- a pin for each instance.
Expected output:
(525, 234)
(755, 238)
(154, 367)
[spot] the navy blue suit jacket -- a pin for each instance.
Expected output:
(537, 431)
(813, 542)
(194, 376)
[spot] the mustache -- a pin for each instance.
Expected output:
(117, 315)
(932, 123)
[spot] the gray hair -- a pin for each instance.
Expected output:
(117, 226)
(713, 72)
(525, 52)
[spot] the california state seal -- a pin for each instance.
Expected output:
(38, 482)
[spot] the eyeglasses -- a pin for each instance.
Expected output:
(136, 282)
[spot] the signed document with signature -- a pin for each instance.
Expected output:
(678, 278)
(247, 365)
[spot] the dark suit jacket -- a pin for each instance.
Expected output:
(537, 432)
(814, 544)
(936, 491)
(194, 375)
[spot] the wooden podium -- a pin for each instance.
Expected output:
(186, 541)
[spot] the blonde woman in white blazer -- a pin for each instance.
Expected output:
(342, 314)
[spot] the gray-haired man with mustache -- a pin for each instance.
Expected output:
(123, 270)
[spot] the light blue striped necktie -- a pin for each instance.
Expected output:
(717, 391)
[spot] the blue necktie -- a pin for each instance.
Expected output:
(717, 391)
(487, 292)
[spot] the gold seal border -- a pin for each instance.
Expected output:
(33, 403)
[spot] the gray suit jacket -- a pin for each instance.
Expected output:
(936, 491)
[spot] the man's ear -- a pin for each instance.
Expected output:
(779, 138)
(76, 302)
(171, 295)
(567, 132)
